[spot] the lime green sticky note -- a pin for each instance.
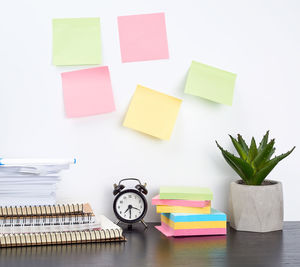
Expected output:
(76, 41)
(210, 83)
(185, 192)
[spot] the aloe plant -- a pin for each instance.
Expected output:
(254, 163)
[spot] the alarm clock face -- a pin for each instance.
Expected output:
(130, 206)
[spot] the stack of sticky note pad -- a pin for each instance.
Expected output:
(186, 211)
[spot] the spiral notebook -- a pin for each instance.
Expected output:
(46, 215)
(46, 210)
(109, 232)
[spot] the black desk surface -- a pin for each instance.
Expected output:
(151, 248)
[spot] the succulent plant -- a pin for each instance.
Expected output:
(254, 163)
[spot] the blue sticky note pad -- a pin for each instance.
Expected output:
(191, 217)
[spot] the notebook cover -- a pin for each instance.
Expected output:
(109, 232)
(45, 210)
(185, 193)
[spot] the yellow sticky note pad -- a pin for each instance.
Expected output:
(152, 112)
(180, 209)
(193, 225)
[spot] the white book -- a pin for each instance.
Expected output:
(32, 170)
(27, 199)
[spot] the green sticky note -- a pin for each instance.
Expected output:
(210, 83)
(185, 192)
(76, 41)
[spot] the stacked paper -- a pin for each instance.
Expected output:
(186, 211)
(29, 184)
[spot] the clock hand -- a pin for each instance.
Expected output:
(130, 214)
(135, 208)
(126, 210)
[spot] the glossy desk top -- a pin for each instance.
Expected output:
(150, 248)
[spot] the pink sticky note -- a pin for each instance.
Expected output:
(168, 231)
(179, 202)
(87, 92)
(143, 37)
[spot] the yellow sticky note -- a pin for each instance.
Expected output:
(152, 112)
(180, 209)
(193, 225)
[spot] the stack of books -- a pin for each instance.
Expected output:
(30, 181)
(186, 211)
(53, 225)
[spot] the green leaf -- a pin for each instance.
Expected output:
(235, 168)
(242, 166)
(232, 164)
(271, 153)
(239, 148)
(262, 155)
(264, 141)
(252, 151)
(259, 177)
(243, 143)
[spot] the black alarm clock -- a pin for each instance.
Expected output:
(130, 205)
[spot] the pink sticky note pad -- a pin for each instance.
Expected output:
(87, 92)
(179, 202)
(143, 37)
(168, 231)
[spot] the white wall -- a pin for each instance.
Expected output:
(258, 40)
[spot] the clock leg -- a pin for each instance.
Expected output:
(142, 221)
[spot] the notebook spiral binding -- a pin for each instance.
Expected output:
(60, 238)
(46, 215)
(47, 220)
(47, 210)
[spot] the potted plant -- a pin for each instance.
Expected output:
(255, 204)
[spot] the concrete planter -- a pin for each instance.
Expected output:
(256, 208)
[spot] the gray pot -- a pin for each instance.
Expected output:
(256, 208)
